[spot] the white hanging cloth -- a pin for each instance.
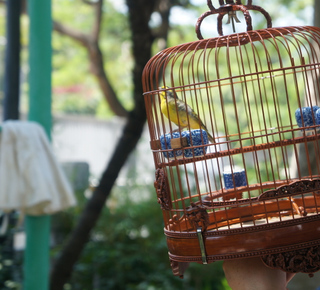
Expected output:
(31, 179)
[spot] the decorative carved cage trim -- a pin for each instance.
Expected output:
(305, 260)
(162, 189)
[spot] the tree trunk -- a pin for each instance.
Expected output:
(316, 19)
(63, 266)
(139, 15)
(12, 62)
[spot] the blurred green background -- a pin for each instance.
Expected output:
(127, 248)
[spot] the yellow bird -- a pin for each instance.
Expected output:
(180, 113)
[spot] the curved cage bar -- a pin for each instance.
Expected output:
(257, 180)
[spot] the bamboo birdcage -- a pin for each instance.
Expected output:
(255, 189)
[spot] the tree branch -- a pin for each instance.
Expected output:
(89, 2)
(163, 7)
(96, 61)
(72, 33)
(97, 68)
(97, 24)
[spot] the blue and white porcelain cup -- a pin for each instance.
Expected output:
(194, 138)
(234, 177)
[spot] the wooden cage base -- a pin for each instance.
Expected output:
(289, 241)
(305, 260)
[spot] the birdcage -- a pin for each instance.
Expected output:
(234, 130)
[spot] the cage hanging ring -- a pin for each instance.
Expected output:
(224, 9)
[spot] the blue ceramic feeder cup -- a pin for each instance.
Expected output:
(235, 177)
(306, 117)
(318, 117)
(194, 138)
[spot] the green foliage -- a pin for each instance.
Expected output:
(296, 6)
(128, 250)
(287, 12)
(72, 103)
(10, 262)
